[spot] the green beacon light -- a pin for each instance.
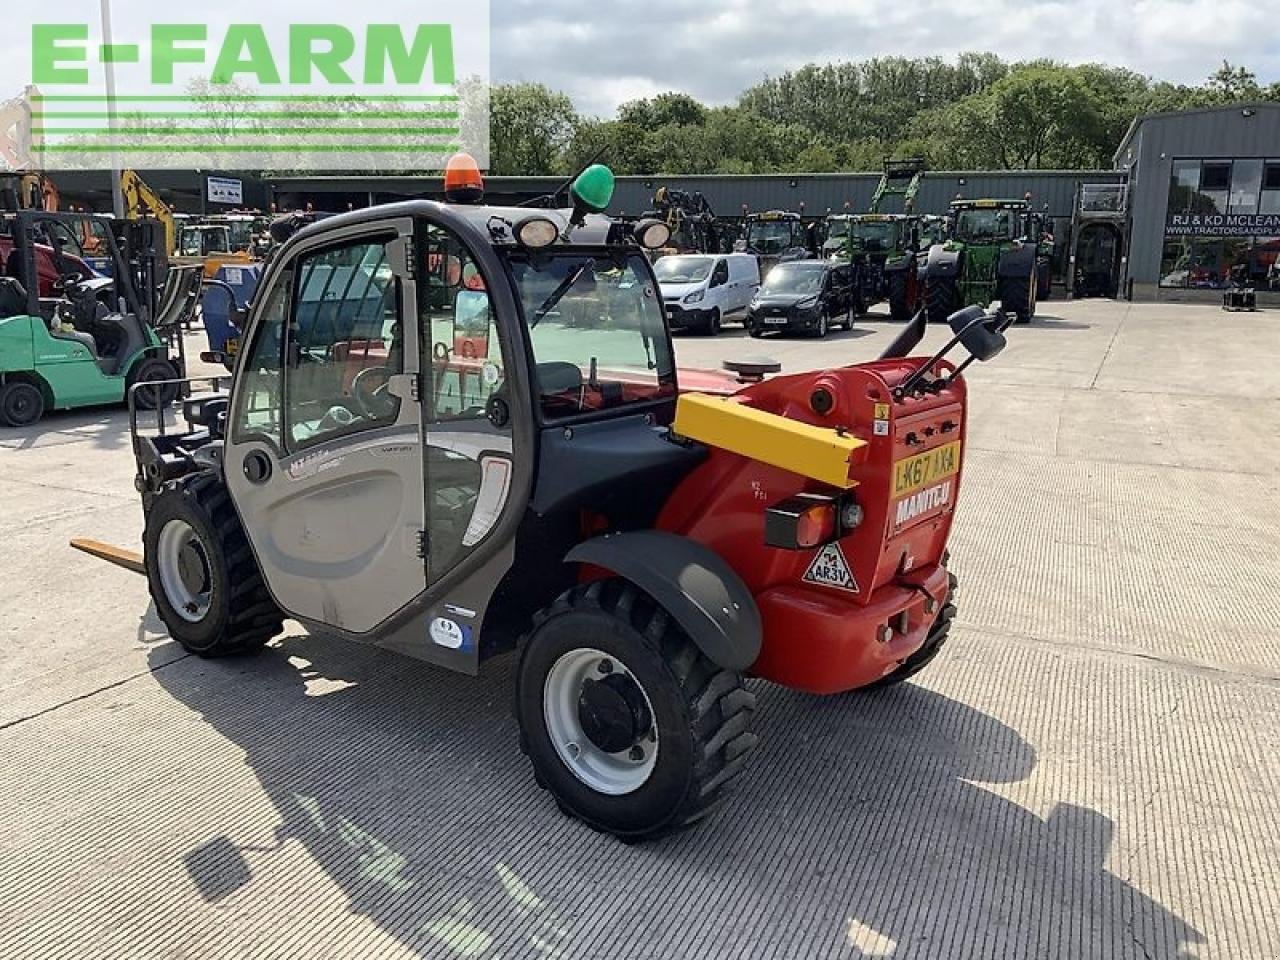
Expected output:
(591, 191)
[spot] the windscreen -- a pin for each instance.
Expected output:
(985, 224)
(875, 235)
(804, 278)
(769, 236)
(598, 332)
(683, 269)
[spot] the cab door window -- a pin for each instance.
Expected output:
(345, 342)
(468, 456)
(258, 411)
(458, 322)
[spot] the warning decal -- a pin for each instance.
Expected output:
(830, 569)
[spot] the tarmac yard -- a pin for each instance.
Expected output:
(1090, 769)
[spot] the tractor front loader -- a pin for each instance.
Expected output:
(458, 430)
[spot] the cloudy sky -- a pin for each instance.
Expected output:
(715, 48)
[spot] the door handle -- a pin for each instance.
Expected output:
(257, 467)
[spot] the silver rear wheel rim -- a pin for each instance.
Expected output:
(612, 774)
(176, 539)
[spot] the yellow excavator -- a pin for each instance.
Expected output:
(142, 203)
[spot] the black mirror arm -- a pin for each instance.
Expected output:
(909, 386)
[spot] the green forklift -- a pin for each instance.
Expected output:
(993, 254)
(93, 340)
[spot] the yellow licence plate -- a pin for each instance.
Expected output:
(926, 468)
(231, 346)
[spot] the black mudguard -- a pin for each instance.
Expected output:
(942, 262)
(1018, 262)
(692, 583)
(899, 264)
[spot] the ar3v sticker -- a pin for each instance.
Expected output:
(830, 569)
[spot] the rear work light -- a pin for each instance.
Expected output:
(802, 522)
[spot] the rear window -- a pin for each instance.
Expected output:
(598, 333)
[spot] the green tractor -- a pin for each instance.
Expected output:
(887, 250)
(776, 236)
(73, 350)
(993, 254)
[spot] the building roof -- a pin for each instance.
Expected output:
(1127, 140)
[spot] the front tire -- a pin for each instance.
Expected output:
(713, 322)
(202, 574)
(943, 299)
(148, 370)
(900, 307)
(627, 724)
(1016, 295)
(21, 404)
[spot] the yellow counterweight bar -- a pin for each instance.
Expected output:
(816, 452)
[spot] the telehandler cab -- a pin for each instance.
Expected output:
(455, 429)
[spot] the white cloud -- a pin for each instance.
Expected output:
(715, 50)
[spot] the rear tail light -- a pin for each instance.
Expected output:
(802, 522)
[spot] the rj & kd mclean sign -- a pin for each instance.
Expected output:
(1222, 224)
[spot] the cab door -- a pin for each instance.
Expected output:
(323, 456)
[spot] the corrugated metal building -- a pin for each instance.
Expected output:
(1204, 189)
(1201, 206)
(817, 192)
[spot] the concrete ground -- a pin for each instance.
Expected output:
(1090, 770)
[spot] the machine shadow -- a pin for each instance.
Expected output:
(862, 828)
(106, 426)
(1054, 323)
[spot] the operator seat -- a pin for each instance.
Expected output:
(13, 297)
(79, 336)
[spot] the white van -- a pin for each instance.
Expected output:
(701, 290)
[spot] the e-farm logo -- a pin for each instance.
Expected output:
(396, 93)
(328, 52)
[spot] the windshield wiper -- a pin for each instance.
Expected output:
(557, 294)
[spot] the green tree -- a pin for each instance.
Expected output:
(1232, 84)
(666, 108)
(530, 127)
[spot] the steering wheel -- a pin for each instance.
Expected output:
(370, 391)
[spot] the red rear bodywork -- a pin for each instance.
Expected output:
(819, 637)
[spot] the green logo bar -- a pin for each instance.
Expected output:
(391, 93)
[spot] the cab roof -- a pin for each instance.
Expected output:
(986, 204)
(497, 223)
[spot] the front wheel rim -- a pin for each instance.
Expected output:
(185, 572)
(611, 773)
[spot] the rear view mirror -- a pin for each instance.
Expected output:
(980, 334)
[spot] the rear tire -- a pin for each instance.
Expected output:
(21, 404)
(147, 370)
(661, 729)
(201, 572)
(931, 647)
(943, 299)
